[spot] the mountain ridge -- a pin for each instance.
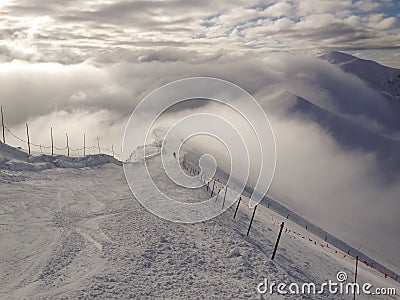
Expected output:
(384, 79)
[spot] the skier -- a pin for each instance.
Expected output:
(174, 154)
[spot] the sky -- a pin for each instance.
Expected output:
(82, 66)
(79, 30)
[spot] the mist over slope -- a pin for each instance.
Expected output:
(352, 134)
(334, 166)
(385, 80)
(357, 184)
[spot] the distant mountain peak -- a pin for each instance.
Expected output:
(336, 57)
(384, 79)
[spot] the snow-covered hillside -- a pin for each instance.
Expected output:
(384, 79)
(361, 110)
(78, 233)
(16, 159)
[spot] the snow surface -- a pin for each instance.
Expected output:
(69, 233)
(384, 79)
(18, 160)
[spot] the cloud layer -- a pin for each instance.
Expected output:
(343, 189)
(74, 31)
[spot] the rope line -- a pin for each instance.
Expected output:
(325, 244)
(41, 147)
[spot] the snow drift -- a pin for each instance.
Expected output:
(17, 160)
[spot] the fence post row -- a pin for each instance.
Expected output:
(29, 143)
(281, 230)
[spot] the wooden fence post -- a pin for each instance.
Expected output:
(29, 144)
(216, 198)
(251, 221)
(355, 277)
(212, 191)
(52, 141)
(2, 124)
(66, 135)
(237, 207)
(277, 241)
(223, 202)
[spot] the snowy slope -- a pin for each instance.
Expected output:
(69, 233)
(384, 79)
(15, 159)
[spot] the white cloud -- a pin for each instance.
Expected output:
(306, 7)
(366, 5)
(386, 23)
(60, 32)
(280, 9)
(316, 21)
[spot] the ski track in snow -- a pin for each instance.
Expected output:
(80, 234)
